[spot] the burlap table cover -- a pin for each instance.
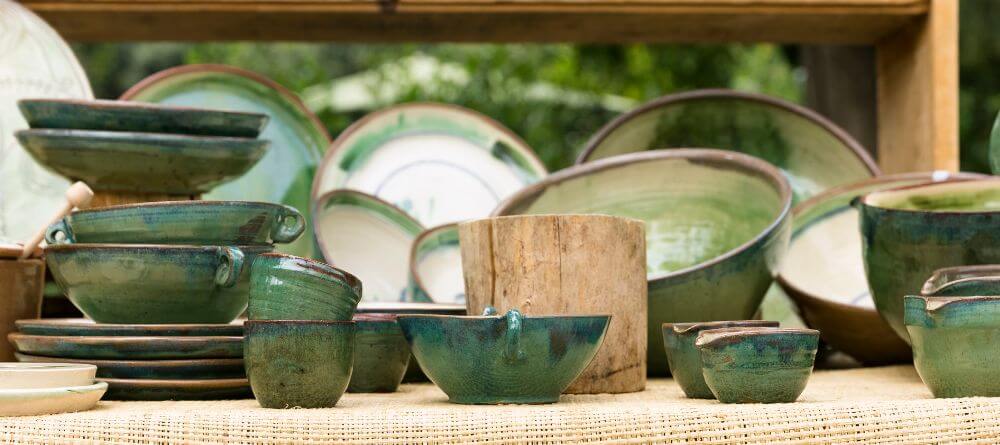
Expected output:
(862, 405)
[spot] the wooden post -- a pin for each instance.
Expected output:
(571, 265)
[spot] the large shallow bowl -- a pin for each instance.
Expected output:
(910, 232)
(181, 222)
(810, 150)
(151, 162)
(716, 227)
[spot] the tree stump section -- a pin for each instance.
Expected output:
(567, 265)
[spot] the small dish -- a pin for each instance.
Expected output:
(963, 281)
(117, 115)
(287, 287)
(151, 162)
(684, 358)
(128, 348)
(757, 365)
(154, 390)
(413, 371)
(436, 266)
(190, 369)
(491, 359)
(45, 375)
(219, 223)
(83, 327)
(40, 401)
(299, 364)
(381, 354)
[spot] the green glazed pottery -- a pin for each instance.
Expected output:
(413, 371)
(185, 369)
(181, 222)
(369, 237)
(995, 146)
(299, 364)
(114, 115)
(151, 162)
(810, 150)
(439, 163)
(134, 283)
(685, 359)
(287, 287)
(716, 227)
(963, 281)
(87, 328)
(436, 266)
(495, 359)
(910, 232)
(298, 138)
(127, 348)
(757, 365)
(381, 354)
(155, 389)
(956, 342)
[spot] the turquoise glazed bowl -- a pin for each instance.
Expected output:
(963, 281)
(909, 232)
(151, 162)
(299, 364)
(717, 225)
(181, 222)
(757, 365)
(956, 342)
(488, 360)
(685, 359)
(287, 287)
(381, 354)
(135, 283)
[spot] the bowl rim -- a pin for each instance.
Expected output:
(180, 203)
(707, 337)
(128, 105)
(863, 200)
(250, 323)
(414, 250)
(142, 137)
(251, 248)
(747, 165)
(681, 328)
(502, 316)
(327, 269)
(941, 278)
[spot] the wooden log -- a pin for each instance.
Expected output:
(104, 198)
(567, 264)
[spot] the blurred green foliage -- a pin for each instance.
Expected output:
(979, 99)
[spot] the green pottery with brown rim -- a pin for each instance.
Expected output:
(685, 359)
(381, 354)
(287, 287)
(963, 281)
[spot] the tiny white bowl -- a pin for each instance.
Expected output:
(18, 376)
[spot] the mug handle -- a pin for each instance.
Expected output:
(288, 226)
(230, 266)
(59, 227)
(515, 326)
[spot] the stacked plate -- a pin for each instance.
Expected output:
(143, 362)
(31, 389)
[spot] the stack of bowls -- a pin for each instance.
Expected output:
(30, 389)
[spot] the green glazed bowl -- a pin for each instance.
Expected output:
(135, 283)
(963, 281)
(151, 162)
(757, 365)
(299, 364)
(717, 226)
(909, 232)
(956, 342)
(381, 354)
(489, 360)
(287, 287)
(181, 222)
(116, 115)
(685, 359)
(198, 368)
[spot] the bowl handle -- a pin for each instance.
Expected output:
(59, 233)
(515, 322)
(230, 266)
(288, 226)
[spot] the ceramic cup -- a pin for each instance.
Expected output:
(757, 365)
(299, 363)
(287, 287)
(381, 354)
(685, 359)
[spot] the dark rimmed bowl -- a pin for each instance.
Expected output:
(287, 287)
(381, 354)
(685, 359)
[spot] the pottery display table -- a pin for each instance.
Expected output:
(869, 405)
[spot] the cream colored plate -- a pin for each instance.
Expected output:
(35, 402)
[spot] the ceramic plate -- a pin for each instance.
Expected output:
(369, 238)
(220, 368)
(128, 348)
(439, 163)
(34, 62)
(45, 375)
(412, 308)
(210, 389)
(436, 266)
(297, 137)
(85, 327)
(36, 402)
(812, 152)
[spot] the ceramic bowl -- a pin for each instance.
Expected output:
(716, 227)
(369, 237)
(180, 369)
(757, 365)
(487, 359)
(436, 266)
(956, 341)
(154, 283)
(181, 222)
(305, 364)
(115, 115)
(45, 375)
(83, 327)
(40, 401)
(287, 287)
(381, 354)
(910, 232)
(151, 162)
(963, 281)
(181, 389)
(685, 359)
(413, 371)
(127, 348)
